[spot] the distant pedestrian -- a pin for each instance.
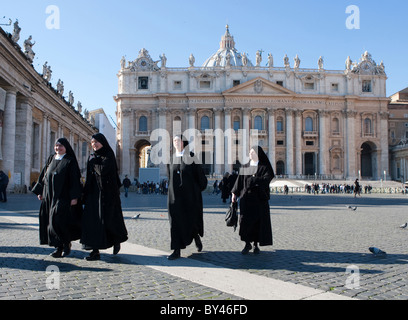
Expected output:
(252, 188)
(103, 224)
(357, 190)
(184, 201)
(4, 180)
(126, 184)
(59, 188)
(215, 186)
(225, 187)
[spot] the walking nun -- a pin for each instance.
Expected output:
(185, 204)
(59, 189)
(252, 188)
(103, 224)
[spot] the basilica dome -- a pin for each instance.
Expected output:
(227, 55)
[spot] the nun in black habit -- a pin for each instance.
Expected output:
(59, 189)
(103, 224)
(185, 203)
(252, 188)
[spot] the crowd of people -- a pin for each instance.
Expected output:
(151, 187)
(325, 188)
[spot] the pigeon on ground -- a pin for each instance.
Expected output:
(403, 226)
(377, 252)
(351, 208)
(136, 216)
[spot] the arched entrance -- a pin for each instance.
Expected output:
(368, 160)
(141, 157)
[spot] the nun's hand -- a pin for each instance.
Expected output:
(234, 198)
(74, 202)
(40, 197)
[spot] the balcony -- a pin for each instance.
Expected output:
(142, 133)
(259, 132)
(310, 134)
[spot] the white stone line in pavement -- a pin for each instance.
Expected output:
(239, 283)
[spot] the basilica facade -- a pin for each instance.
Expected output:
(331, 124)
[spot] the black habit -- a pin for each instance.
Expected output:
(185, 203)
(252, 187)
(59, 183)
(102, 224)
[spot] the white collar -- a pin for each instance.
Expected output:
(180, 154)
(59, 157)
(253, 163)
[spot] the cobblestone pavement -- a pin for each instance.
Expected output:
(317, 242)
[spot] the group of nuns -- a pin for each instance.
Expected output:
(92, 213)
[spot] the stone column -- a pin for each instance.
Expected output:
(298, 137)
(9, 135)
(125, 134)
(162, 112)
(350, 149)
(218, 142)
(245, 144)
(228, 142)
(24, 137)
(323, 151)
(44, 143)
(191, 115)
(289, 142)
(3, 94)
(384, 165)
(271, 137)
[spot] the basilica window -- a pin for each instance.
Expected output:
(309, 85)
(205, 84)
(177, 125)
(237, 123)
(258, 123)
(279, 125)
(366, 87)
(143, 123)
(143, 83)
(236, 83)
(205, 123)
(309, 124)
(367, 126)
(335, 87)
(177, 85)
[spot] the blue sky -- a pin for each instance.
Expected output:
(85, 51)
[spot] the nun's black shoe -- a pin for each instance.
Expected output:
(198, 243)
(57, 253)
(95, 255)
(116, 248)
(246, 249)
(67, 250)
(256, 250)
(175, 255)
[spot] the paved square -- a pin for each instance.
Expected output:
(318, 240)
